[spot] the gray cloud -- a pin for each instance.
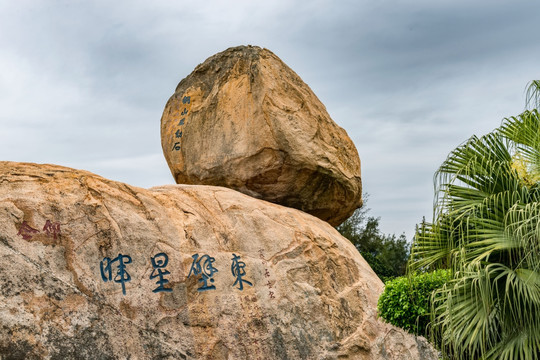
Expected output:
(83, 84)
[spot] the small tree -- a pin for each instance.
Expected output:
(386, 254)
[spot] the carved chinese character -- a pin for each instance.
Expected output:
(122, 276)
(203, 266)
(238, 271)
(159, 262)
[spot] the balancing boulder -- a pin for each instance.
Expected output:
(244, 120)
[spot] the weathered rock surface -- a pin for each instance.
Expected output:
(71, 244)
(244, 120)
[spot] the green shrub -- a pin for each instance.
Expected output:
(405, 301)
(386, 254)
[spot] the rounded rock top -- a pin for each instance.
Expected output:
(246, 121)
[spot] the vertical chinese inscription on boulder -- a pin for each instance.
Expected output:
(186, 106)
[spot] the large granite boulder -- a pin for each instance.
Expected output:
(244, 120)
(95, 269)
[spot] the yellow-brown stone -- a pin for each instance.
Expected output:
(244, 120)
(310, 295)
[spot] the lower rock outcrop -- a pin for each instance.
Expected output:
(96, 269)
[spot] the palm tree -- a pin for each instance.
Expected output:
(486, 229)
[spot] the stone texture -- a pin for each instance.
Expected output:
(312, 296)
(251, 124)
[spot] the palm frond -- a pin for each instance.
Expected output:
(532, 97)
(486, 229)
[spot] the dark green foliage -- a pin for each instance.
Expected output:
(386, 254)
(486, 229)
(405, 301)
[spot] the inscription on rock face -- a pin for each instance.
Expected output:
(186, 106)
(267, 275)
(203, 266)
(238, 271)
(159, 262)
(121, 276)
(115, 270)
(51, 229)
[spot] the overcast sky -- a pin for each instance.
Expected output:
(84, 84)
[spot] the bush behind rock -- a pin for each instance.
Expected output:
(405, 301)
